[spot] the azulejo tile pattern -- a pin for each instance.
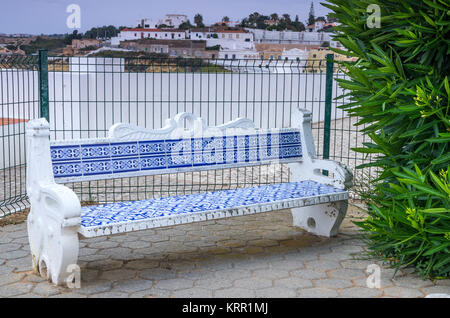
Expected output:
(109, 214)
(120, 157)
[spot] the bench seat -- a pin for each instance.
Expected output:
(316, 193)
(106, 219)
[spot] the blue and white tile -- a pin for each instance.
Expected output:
(95, 151)
(178, 145)
(67, 169)
(125, 165)
(177, 161)
(290, 152)
(152, 147)
(290, 138)
(153, 162)
(106, 214)
(96, 167)
(65, 153)
(123, 149)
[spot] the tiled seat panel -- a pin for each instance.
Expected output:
(120, 212)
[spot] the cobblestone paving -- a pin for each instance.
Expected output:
(250, 256)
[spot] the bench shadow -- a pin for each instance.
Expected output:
(195, 250)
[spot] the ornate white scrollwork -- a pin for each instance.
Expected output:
(54, 216)
(132, 132)
(175, 128)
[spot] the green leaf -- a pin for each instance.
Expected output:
(429, 190)
(435, 5)
(435, 210)
(436, 249)
(441, 159)
(367, 150)
(447, 87)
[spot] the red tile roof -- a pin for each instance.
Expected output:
(10, 121)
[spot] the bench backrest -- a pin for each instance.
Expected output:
(133, 151)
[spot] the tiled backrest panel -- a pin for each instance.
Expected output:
(82, 161)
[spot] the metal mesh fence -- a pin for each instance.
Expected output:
(344, 135)
(87, 95)
(19, 101)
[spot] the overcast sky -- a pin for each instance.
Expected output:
(49, 16)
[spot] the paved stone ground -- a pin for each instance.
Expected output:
(250, 256)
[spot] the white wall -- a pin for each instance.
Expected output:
(265, 36)
(89, 103)
(230, 44)
(19, 94)
(12, 148)
(161, 34)
(238, 54)
(18, 99)
(98, 64)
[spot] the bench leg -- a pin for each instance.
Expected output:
(322, 219)
(53, 248)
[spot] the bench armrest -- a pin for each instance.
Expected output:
(341, 176)
(53, 224)
(310, 167)
(60, 203)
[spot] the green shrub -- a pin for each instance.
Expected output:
(399, 89)
(50, 44)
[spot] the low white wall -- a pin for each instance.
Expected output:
(98, 64)
(86, 104)
(12, 145)
(92, 102)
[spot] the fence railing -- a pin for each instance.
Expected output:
(83, 96)
(19, 101)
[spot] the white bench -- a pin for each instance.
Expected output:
(318, 202)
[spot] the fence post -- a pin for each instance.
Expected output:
(43, 84)
(328, 99)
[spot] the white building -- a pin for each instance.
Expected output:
(294, 55)
(318, 25)
(147, 24)
(231, 40)
(143, 33)
(226, 39)
(173, 20)
(200, 33)
(211, 33)
(238, 54)
(237, 35)
(286, 37)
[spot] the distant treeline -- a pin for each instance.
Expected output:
(57, 42)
